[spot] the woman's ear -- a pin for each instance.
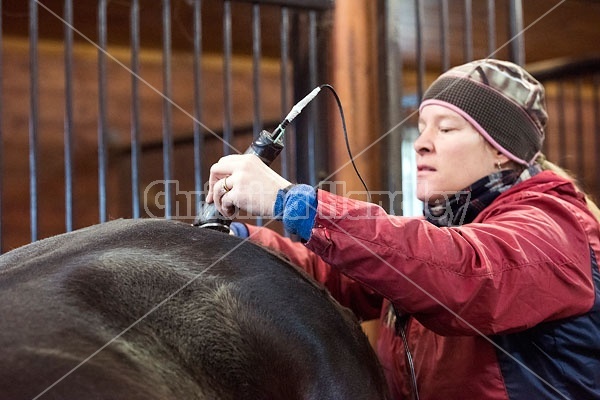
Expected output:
(500, 159)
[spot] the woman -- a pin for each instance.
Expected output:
(495, 293)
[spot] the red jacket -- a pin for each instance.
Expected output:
(474, 292)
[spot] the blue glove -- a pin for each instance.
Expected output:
(296, 207)
(239, 229)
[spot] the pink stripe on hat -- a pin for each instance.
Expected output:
(476, 125)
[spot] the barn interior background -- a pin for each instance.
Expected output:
(102, 102)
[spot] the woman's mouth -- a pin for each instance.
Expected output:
(425, 168)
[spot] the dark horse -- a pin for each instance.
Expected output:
(155, 309)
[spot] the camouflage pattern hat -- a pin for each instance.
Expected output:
(501, 100)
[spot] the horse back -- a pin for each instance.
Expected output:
(158, 309)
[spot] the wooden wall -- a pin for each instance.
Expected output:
(51, 169)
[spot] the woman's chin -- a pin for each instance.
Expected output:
(433, 197)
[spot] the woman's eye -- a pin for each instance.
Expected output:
(445, 129)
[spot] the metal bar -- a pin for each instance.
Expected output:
(444, 35)
(284, 65)
(596, 96)
(516, 40)
(312, 66)
(289, 148)
(392, 79)
(580, 146)
(1, 130)
(167, 111)
(491, 22)
(198, 137)
(135, 108)
(102, 110)
(256, 57)
(547, 144)
(227, 53)
(562, 136)
(419, 49)
(468, 44)
(68, 133)
(33, 117)
(304, 4)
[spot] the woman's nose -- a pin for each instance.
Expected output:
(423, 142)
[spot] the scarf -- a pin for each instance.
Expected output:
(466, 204)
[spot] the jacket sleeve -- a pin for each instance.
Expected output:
(364, 302)
(518, 264)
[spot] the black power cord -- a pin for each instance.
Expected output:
(401, 321)
(339, 104)
(401, 325)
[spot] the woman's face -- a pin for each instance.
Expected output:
(451, 154)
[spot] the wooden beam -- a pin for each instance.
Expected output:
(354, 72)
(354, 77)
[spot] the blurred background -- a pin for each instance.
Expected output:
(117, 109)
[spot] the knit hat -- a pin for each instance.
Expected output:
(501, 100)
